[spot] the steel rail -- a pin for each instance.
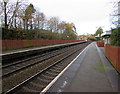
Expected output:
(29, 65)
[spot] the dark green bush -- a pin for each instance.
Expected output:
(36, 34)
(115, 37)
(9, 34)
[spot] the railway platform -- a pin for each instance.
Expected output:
(90, 71)
(36, 48)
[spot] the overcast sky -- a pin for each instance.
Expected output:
(87, 15)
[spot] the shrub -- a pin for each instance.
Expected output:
(115, 37)
(36, 34)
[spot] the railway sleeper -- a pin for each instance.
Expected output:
(37, 85)
(46, 76)
(54, 74)
(53, 70)
(26, 89)
(43, 80)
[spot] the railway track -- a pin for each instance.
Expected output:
(42, 73)
(12, 68)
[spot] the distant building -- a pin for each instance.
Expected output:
(82, 37)
(86, 37)
(106, 37)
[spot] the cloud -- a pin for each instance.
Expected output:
(84, 13)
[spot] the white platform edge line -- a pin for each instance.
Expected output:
(56, 78)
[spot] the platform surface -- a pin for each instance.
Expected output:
(89, 72)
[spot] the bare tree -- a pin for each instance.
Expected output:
(61, 26)
(3, 13)
(13, 10)
(53, 24)
(39, 20)
(115, 15)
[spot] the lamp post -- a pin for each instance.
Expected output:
(5, 3)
